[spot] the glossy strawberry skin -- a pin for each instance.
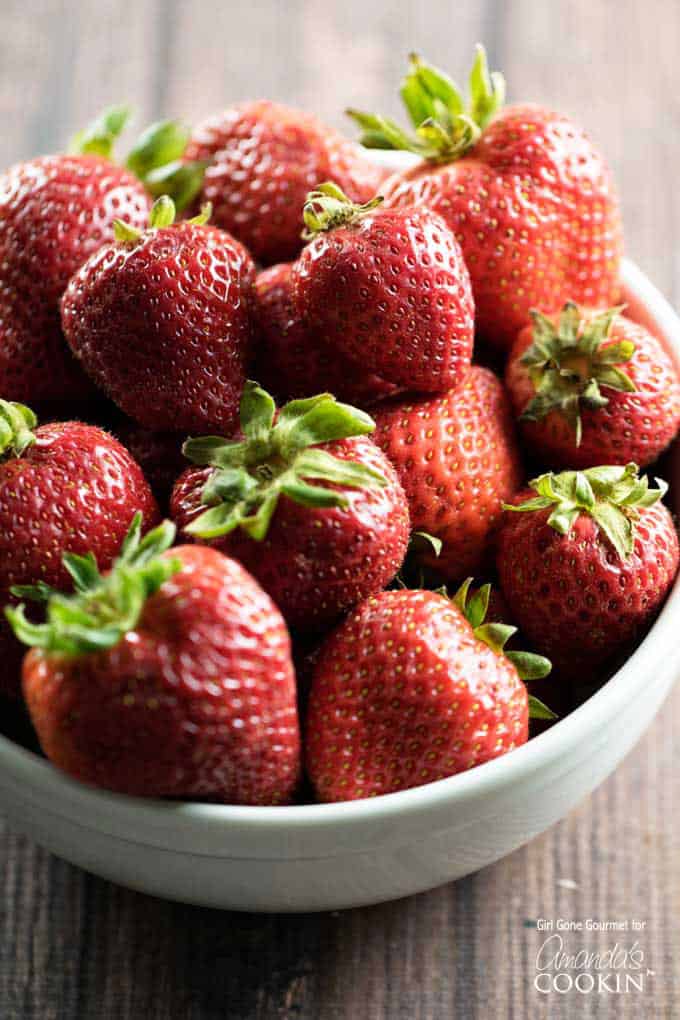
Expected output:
(457, 458)
(318, 563)
(572, 596)
(54, 213)
(291, 362)
(534, 209)
(633, 427)
(75, 490)
(402, 694)
(164, 326)
(198, 701)
(390, 292)
(264, 158)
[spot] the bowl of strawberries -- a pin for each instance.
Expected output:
(336, 545)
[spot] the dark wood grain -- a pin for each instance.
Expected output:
(73, 947)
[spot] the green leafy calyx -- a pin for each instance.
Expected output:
(422, 549)
(162, 214)
(569, 361)
(157, 158)
(328, 207)
(102, 608)
(278, 455)
(99, 137)
(612, 495)
(445, 126)
(16, 428)
(474, 608)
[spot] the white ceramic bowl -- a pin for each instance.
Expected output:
(328, 856)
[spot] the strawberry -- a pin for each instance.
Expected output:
(387, 289)
(529, 198)
(458, 460)
(593, 387)
(586, 559)
(170, 676)
(263, 158)
(63, 487)
(413, 688)
(54, 213)
(290, 360)
(303, 499)
(161, 320)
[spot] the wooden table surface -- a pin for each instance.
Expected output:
(73, 947)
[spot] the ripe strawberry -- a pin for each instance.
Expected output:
(457, 458)
(412, 688)
(290, 360)
(593, 387)
(387, 289)
(303, 499)
(529, 198)
(161, 320)
(54, 213)
(586, 560)
(263, 158)
(63, 487)
(171, 676)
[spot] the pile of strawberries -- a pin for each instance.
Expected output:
(334, 528)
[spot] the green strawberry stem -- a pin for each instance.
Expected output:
(162, 214)
(413, 573)
(156, 158)
(278, 455)
(611, 495)
(569, 361)
(496, 635)
(102, 608)
(38, 592)
(538, 710)
(445, 127)
(16, 428)
(328, 207)
(99, 137)
(181, 180)
(159, 144)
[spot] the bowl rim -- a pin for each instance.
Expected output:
(70, 798)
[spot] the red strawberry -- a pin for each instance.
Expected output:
(159, 454)
(290, 360)
(593, 387)
(176, 679)
(387, 289)
(63, 487)
(54, 213)
(303, 499)
(263, 160)
(161, 320)
(457, 458)
(586, 561)
(528, 196)
(412, 688)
